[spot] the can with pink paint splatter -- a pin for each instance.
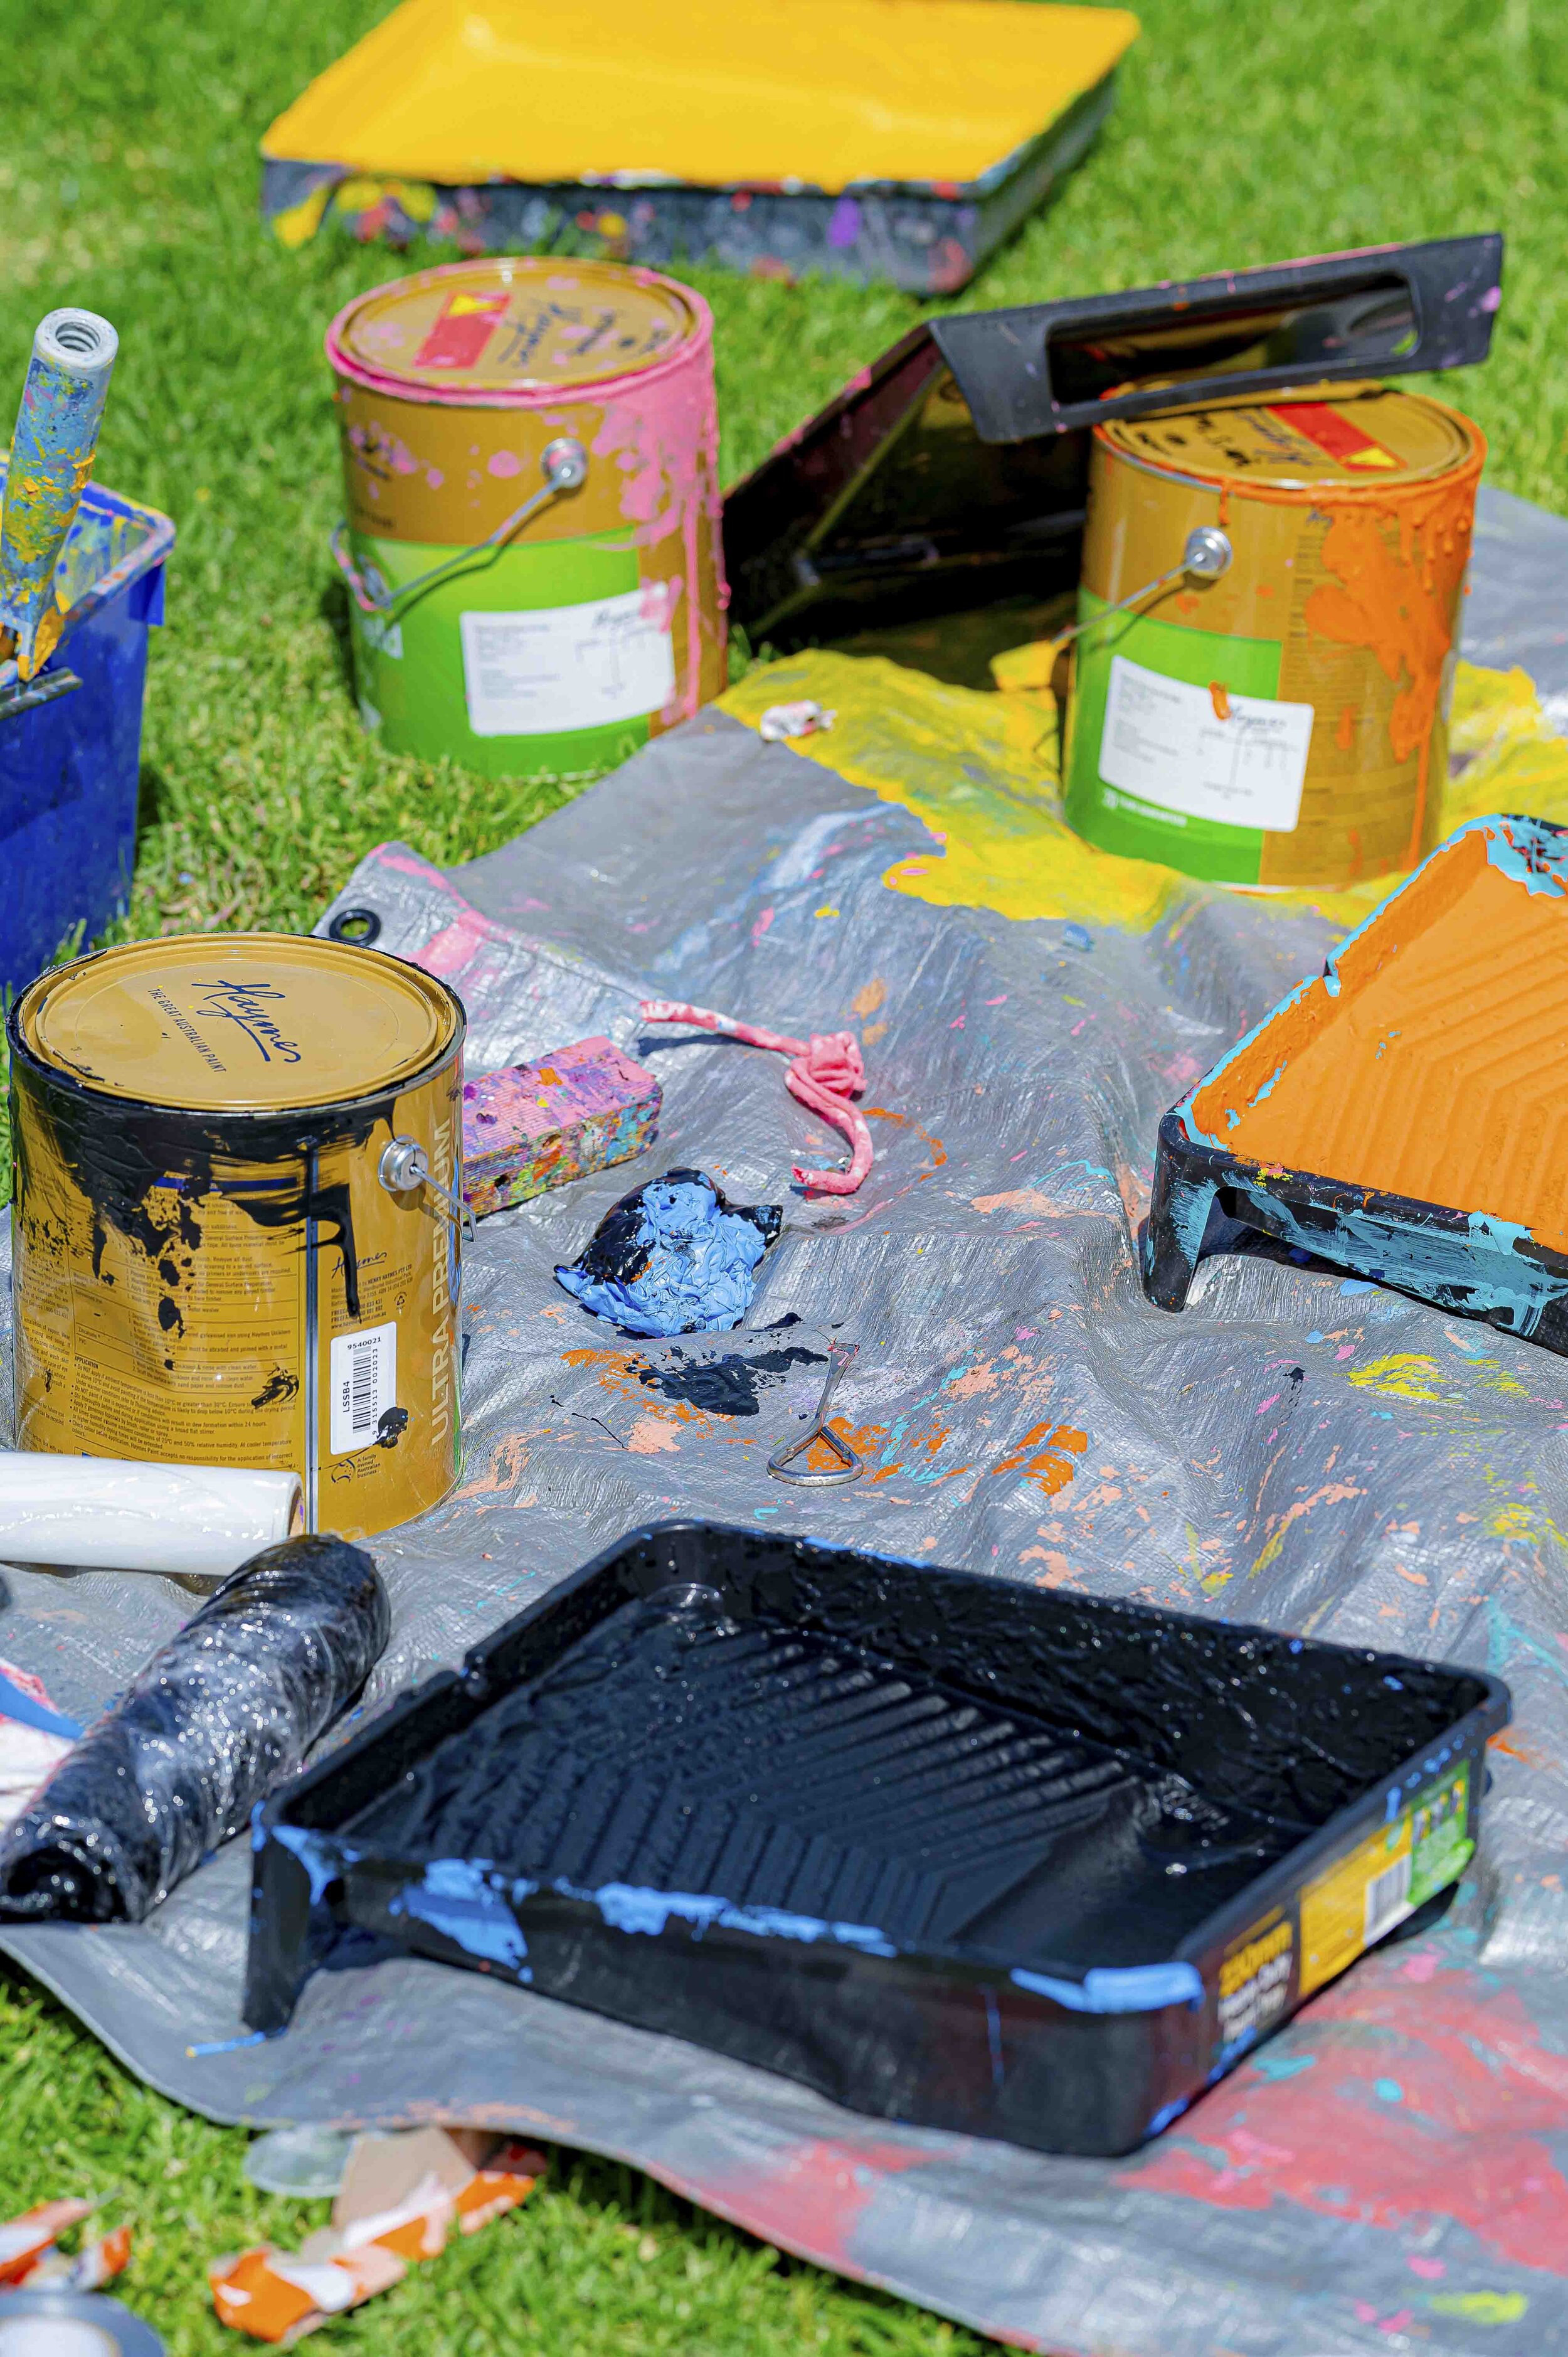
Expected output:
(532, 546)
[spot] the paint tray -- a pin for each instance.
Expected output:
(950, 1849)
(951, 475)
(864, 139)
(1403, 1114)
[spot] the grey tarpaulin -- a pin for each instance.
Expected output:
(1391, 2172)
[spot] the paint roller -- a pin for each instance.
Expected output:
(51, 460)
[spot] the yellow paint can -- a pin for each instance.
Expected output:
(1268, 621)
(238, 1218)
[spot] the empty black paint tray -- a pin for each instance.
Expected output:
(952, 1850)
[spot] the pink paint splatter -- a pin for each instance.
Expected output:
(1473, 2141)
(957, 1023)
(1430, 2269)
(761, 926)
(809, 2196)
(504, 463)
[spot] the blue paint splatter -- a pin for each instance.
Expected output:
(1283, 2066)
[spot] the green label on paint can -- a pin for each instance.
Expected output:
(1182, 750)
(534, 660)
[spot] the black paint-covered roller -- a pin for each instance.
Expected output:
(226, 1710)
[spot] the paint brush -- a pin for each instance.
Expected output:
(51, 460)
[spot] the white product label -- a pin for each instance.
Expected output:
(565, 667)
(364, 1386)
(1166, 741)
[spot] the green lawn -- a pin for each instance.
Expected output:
(128, 182)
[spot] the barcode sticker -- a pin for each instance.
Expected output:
(1387, 1898)
(364, 1386)
(1386, 1876)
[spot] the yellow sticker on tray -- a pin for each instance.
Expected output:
(1385, 1877)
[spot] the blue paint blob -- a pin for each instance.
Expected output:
(673, 1257)
(1388, 2091)
(1283, 2066)
(1077, 937)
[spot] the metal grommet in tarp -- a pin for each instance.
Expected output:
(361, 926)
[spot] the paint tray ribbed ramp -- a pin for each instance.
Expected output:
(967, 1856)
(1404, 1113)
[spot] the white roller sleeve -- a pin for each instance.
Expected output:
(101, 1513)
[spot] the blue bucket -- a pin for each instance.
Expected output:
(71, 740)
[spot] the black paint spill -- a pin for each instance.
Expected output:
(729, 1385)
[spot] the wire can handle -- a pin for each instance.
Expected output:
(564, 466)
(404, 1165)
(1206, 557)
(851, 1465)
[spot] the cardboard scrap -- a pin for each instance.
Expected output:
(27, 2253)
(400, 2197)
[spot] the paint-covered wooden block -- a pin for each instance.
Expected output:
(537, 1125)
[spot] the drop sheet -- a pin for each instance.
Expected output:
(1313, 1453)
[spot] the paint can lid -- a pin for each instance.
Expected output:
(510, 325)
(239, 1022)
(1375, 436)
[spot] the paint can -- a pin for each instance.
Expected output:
(237, 1224)
(1267, 705)
(533, 552)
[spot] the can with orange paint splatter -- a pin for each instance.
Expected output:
(532, 548)
(1281, 721)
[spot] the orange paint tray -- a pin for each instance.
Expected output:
(1402, 1113)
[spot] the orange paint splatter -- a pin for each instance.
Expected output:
(1345, 735)
(864, 1438)
(1398, 560)
(1051, 1466)
(651, 1437)
(868, 1000)
(1022, 1198)
(1219, 696)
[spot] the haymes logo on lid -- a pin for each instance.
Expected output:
(242, 1002)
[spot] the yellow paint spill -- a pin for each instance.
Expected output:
(982, 771)
(1406, 1375)
(978, 770)
(1417, 1376)
(1481, 2307)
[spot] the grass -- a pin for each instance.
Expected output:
(127, 182)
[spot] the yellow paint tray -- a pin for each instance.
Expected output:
(873, 138)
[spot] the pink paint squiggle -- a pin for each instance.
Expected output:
(824, 1073)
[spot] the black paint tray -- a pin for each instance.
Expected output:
(953, 473)
(950, 1849)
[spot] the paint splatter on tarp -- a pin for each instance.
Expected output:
(988, 1271)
